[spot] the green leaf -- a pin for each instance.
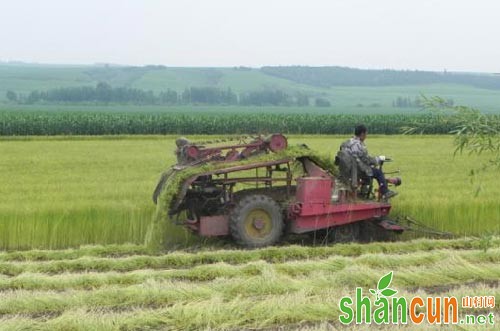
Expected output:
(373, 291)
(385, 281)
(388, 292)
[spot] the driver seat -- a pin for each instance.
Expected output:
(349, 174)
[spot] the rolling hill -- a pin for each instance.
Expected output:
(349, 90)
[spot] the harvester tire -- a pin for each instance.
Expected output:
(256, 221)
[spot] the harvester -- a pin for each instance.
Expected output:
(257, 190)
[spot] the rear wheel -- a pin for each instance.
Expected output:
(256, 221)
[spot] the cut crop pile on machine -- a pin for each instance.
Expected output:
(258, 191)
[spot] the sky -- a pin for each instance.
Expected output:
(382, 34)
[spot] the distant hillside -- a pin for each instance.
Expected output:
(340, 76)
(24, 79)
(346, 89)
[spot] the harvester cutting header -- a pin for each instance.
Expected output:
(258, 190)
(188, 153)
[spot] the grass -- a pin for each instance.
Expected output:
(154, 293)
(213, 314)
(275, 287)
(92, 273)
(178, 262)
(210, 253)
(77, 189)
(59, 192)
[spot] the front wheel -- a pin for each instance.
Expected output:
(256, 221)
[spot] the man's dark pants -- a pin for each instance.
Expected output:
(380, 177)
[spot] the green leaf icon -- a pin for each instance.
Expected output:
(385, 281)
(373, 291)
(388, 292)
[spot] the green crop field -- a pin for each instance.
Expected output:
(192, 178)
(66, 191)
(49, 123)
(88, 199)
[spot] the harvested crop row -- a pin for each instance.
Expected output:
(70, 254)
(454, 267)
(215, 312)
(274, 255)
(400, 247)
(336, 325)
(271, 254)
(155, 294)
(94, 280)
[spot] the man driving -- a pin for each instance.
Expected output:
(367, 164)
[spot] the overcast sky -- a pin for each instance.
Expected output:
(400, 34)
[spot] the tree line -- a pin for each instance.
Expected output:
(417, 102)
(104, 93)
(342, 76)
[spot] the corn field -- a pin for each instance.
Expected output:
(21, 123)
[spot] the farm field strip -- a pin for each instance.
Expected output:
(451, 272)
(211, 285)
(334, 264)
(106, 198)
(223, 289)
(179, 261)
(341, 269)
(335, 326)
(215, 312)
(42, 123)
(164, 293)
(69, 254)
(207, 253)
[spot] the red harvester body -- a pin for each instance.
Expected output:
(282, 199)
